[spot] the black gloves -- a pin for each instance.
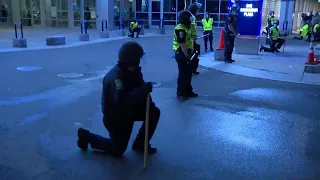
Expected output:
(148, 87)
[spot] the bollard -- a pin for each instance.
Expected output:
(81, 28)
(142, 27)
(85, 36)
(161, 29)
(15, 30)
(104, 34)
(287, 25)
(19, 42)
(122, 24)
(102, 26)
(85, 27)
(21, 29)
(283, 26)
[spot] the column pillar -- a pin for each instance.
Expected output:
(70, 14)
(161, 13)
(16, 18)
(149, 12)
(105, 12)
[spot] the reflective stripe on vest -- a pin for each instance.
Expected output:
(188, 42)
(207, 25)
(275, 33)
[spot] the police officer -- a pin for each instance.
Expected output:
(194, 9)
(276, 42)
(207, 30)
(231, 31)
(270, 21)
(123, 102)
(316, 32)
(134, 27)
(183, 47)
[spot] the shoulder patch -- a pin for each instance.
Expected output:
(118, 84)
(181, 34)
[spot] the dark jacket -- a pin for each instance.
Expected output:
(123, 93)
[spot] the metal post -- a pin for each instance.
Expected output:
(15, 30)
(102, 26)
(81, 27)
(21, 29)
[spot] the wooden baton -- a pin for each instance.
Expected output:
(146, 135)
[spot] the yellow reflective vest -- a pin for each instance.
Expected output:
(207, 24)
(133, 25)
(275, 33)
(189, 39)
(271, 21)
(315, 27)
(304, 30)
(193, 27)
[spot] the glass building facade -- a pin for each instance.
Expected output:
(69, 13)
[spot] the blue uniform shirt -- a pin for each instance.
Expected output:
(230, 19)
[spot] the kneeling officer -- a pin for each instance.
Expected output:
(276, 42)
(183, 47)
(123, 102)
(134, 27)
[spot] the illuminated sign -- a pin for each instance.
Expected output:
(249, 10)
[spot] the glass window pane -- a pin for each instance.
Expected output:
(142, 16)
(62, 15)
(169, 5)
(155, 6)
(212, 6)
(62, 5)
(155, 16)
(183, 4)
(142, 5)
(224, 7)
(215, 17)
(169, 16)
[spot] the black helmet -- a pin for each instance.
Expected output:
(193, 8)
(184, 17)
(130, 54)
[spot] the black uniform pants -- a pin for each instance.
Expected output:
(195, 61)
(205, 38)
(229, 44)
(275, 45)
(120, 131)
(132, 31)
(185, 74)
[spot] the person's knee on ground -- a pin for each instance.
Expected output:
(138, 30)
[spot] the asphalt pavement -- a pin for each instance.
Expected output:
(238, 128)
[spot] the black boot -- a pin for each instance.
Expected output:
(192, 94)
(83, 138)
(139, 147)
(261, 48)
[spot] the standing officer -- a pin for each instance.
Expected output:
(134, 27)
(207, 30)
(194, 9)
(231, 31)
(183, 47)
(123, 102)
(276, 42)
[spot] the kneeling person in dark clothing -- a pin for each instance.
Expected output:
(123, 102)
(134, 27)
(276, 42)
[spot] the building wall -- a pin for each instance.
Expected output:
(69, 13)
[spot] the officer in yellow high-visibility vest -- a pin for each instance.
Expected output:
(271, 19)
(207, 30)
(183, 48)
(276, 42)
(134, 27)
(304, 31)
(194, 9)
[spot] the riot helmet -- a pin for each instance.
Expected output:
(130, 54)
(184, 17)
(234, 9)
(271, 13)
(194, 8)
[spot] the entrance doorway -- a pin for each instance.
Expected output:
(5, 13)
(31, 12)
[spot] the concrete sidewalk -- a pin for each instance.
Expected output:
(36, 37)
(288, 65)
